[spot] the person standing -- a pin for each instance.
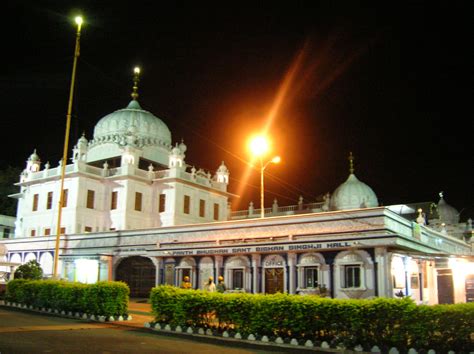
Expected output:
(221, 285)
(186, 284)
(210, 285)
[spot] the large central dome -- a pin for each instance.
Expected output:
(133, 120)
(130, 126)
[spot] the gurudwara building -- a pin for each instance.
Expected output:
(134, 210)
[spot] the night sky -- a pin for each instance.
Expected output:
(392, 85)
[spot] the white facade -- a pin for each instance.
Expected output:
(136, 210)
(147, 171)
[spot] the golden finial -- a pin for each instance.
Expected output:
(136, 79)
(351, 163)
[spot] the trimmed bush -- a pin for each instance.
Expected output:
(102, 298)
(31, 270)
(383, 322)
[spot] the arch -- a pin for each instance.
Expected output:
(353, 256)
(206, 270)
(29, 257)
(311, 258)
(274, 274)
(353, 274)
(15, 258)
(46, 262)
(187, 262)
(139, 273)
(237, 262)
(237, 273)
(313, 273)
(274, 261)
(186, 268)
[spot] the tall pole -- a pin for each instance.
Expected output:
(262, 204)
(66, 143)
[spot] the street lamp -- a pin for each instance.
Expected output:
(78, 21)
(259, 146)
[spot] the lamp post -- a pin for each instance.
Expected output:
(78, 21)
(259, 147)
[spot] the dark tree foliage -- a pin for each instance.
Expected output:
(8, 176)
(31, 270)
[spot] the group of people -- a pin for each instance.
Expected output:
(208, 286)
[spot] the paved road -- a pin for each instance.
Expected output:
(26, 332)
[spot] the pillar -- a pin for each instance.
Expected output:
(218, 263)
(406, 266)
(383, 272)
(292, 273)
(256, 263)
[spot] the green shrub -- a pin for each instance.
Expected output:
(31, 270)
(384, 322)
(102, 298)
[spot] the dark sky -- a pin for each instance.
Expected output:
(391, 84)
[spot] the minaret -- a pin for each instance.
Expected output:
(176, 157)
(33, 163)
(80, 150)
(222, 174)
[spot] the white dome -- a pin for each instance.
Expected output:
(353, 194)
(130, 126)
(447, 213)
(135, 120)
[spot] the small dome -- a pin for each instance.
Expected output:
(82, 139)
(353, 194)
(223, 168)
(132, 120)
(446, 212)
(34, 157)
(183, 147)
(176, 150)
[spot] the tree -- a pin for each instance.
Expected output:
(31, 270)
(8, 177)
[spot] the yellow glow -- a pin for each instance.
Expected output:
(136, 70)
(259, 146)
(87, 270)
(276, 159)
(461, 266)
(78, 20)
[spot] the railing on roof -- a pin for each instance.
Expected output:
(284, 210)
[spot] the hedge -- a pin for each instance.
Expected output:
(383, 322)
(102, 298)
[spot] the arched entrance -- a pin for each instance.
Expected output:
(274, 274)
(139, 273)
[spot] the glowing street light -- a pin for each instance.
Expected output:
(259, 146)
(78, 21)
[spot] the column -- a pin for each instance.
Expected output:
(159, 265)
(406, 266)
(383, 271)
(292, 273)
(256, 259)
(218, 263)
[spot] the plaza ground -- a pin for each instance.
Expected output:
(30, 332)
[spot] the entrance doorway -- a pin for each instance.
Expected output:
(139, 273)
(273, 280)
(445, 286)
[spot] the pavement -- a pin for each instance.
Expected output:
(140, 310)
(23, 331)
(32, 324)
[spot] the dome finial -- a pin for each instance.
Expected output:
(351, 163)
(136, 79)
